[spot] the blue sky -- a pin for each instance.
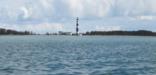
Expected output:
(59, 15)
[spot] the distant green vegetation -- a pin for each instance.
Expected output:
(133, 33)
(13, 32)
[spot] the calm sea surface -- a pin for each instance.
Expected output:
(83, 55)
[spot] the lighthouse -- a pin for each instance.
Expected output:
(77, 26)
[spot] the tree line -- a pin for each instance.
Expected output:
(14, 32)
(134, 33)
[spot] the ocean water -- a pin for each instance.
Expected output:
(82, 55)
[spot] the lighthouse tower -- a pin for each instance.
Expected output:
(77, 26)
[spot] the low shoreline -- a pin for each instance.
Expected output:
(82, 35)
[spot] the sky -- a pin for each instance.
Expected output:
(43, 16)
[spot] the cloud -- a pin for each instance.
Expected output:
(48, 9)
(23, 9)
(29, 12)
(145, 17)
(135, 7)
(25, 13)
(107, 28)
(46, 3)
(113, 8)
(86, 8)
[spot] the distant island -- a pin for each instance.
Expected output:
(94, 33)
(130, 33)
(14, 32)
